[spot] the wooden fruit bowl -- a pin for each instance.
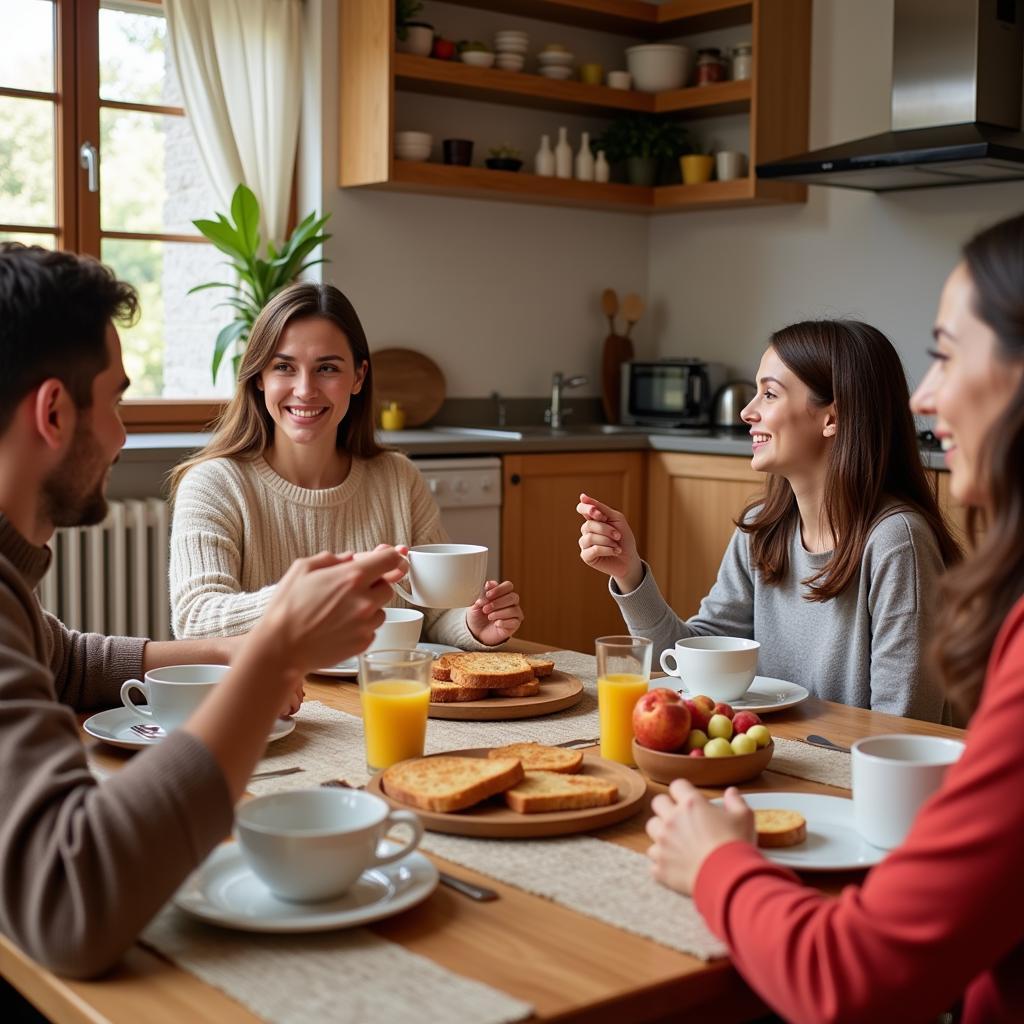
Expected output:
(702, 771)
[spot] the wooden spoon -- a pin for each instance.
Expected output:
(610, 307)
(632, 310)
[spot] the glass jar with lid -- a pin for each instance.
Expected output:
(742, 61)
(710, 66)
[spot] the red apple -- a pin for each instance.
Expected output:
(696, 753)
(443, 49)
(700, 714)
(721, 708)
(661, 721)
(745, 720)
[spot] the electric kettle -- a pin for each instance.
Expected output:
(730, 402)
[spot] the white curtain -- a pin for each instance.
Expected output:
(239, 63)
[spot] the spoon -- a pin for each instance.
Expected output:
(821, 741)
(610, 307)
(632, 310)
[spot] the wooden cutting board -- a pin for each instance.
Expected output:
(409, 378)
(558, 691)
(617, 350)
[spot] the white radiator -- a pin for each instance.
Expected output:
(112, 578)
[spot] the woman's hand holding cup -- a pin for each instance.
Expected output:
(608, 545)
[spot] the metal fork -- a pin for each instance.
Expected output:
(148, 731)
(579, 743)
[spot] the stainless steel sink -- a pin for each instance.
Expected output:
(532, 430)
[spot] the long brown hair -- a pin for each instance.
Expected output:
(245, 428)
(874, 461)
(980, 593)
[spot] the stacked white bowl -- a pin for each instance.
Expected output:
(555, 61)
(658, 67)
(413, 145)
(510, 46)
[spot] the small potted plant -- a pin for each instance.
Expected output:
(643, 143)
(475, 53)
(413, 36)
(696, 166)
(504, 158)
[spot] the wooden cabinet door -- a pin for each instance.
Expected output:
(692, 504)
(566, 603)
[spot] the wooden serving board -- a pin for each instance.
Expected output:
(493, 819)
(409, 378)
(558, 691)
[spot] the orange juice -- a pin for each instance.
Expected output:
(616, 695)
(395, 720)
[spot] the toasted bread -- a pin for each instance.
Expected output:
(779, 828)
(538, 758)
(454, 693)
(441, 669)
(552, 791)
(445, 783)
(541, 666)
(530, 689)
(495, 670)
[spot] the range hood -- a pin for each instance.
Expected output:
(956, 105)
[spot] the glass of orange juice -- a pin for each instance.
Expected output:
(394, 687)
(623, 672)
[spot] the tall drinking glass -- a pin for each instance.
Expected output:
(623, 672)
(394, 687)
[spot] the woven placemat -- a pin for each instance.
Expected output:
(829, 767)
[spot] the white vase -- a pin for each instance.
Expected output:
(602, 172)
(563, 155)
(544, 161)
(585, 160)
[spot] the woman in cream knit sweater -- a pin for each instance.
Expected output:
(294, 468)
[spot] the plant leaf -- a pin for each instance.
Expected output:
(223, 235)
(246, 211)
(227, 336)
(210, 284)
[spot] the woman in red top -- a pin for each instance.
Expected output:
(941, 918)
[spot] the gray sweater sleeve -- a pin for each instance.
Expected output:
(728, 609)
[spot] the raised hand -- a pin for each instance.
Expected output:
(607, 543)
(497, 615)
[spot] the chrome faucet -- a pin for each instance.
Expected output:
(554, 413)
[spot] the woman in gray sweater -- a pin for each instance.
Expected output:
(833, 570)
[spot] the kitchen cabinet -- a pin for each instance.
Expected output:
(774, 102)
(692, 504)
(566, 603)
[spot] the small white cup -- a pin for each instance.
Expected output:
(892, 777)
(619, 80)
(445, 575)
(172, 693)
(400, 630)
(312, 844)
(721, 667)
(730, 165)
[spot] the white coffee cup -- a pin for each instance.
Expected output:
(729, 165)
(892, 777)
(721, 667)
(312, 844)
(445, 575)
(619, 80)
(172, 693)
(400, 630)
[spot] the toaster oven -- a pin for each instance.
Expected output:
(669, 392)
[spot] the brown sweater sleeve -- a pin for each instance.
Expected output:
(83, 866)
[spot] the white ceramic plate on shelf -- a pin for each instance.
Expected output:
(115, 727)
(224, 891)
(350, 668)
(832, 843)
(764, 696)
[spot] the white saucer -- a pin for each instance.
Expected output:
(115, 727)
(348, 668)
(224, 891)
(765, 694)
(832, 843)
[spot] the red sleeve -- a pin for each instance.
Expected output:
(942, 909)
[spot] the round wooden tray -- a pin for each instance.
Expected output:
(411, 379)
(558, 691)
(493, 819)
(702, 771)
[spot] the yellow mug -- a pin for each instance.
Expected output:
(591, 74)
(697, 168)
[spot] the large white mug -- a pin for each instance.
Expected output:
(892, 777)
(172, 693)
(400, 630)
(721, 667)
(312, 844)
(729, 165)
(445, 575)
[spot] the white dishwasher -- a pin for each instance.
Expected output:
(468, 492)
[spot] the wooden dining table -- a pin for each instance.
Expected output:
(569, 966)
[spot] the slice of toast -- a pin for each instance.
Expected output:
(530, 689)
(446, 783)
(495, 670)
(537, 757)
(552, 791)
(542, 667)
(454, 693)
(779, 828)
(441, 668)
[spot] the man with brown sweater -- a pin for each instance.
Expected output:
(84, 866)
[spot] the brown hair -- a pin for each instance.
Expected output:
(245, 428)
(980, 593)
(874, 461)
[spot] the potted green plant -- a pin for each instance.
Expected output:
(413, 36)
(643, 142)
(258, 279)
(504, 158)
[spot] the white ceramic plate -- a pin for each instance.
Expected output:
(224, 891)
(348, 668)
(115, 727)
(832, 843)
(764, 696)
